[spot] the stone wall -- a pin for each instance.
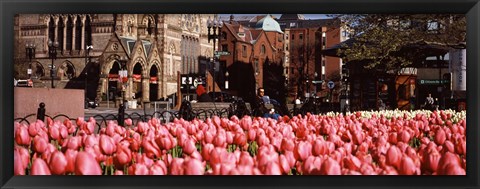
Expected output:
(57, 101)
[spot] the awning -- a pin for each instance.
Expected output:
(153, 80)
(113, 77)
(137, 78)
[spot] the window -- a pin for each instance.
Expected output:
(224, 47)
(60, 33)
(286, 37)
(286, 47)
(293, 36)
(262, 49)
(324, 40)
(78, 34)
(224, 35)
(432, 26)
(293, 24)
(88, 32)
(344, 33)
(244, 52)
(51, 30)
(300, 36)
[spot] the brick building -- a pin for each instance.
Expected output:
(303, 41)
(155, 47)
(251, 49)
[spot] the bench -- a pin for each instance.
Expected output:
(204, 110)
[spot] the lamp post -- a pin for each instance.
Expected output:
(30, 51)
(214, 26)
(226, 80)
(123, 73)
(52, 53)
(89, 47)
(315, 75)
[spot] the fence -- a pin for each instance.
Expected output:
(237, 108)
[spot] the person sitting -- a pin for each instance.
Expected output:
(202, 94)
(260, 108)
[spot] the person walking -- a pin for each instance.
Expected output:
(429, 102)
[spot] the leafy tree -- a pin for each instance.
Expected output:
(385, 40)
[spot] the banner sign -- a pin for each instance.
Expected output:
(153, 80)
(137, 78)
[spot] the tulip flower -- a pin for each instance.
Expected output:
(85, 164)
(22, 137)
(58, 163)
(39, 167)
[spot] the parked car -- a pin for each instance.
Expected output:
(221, 97)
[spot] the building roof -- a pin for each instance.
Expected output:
(129, 43)
(267, 23)
(292, 17)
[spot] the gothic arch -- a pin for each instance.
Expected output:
(140, 61)
(38, 71)
(66, 71)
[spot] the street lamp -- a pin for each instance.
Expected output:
(123, 74)
(315, 75)
(214, 25)
(52, 53)
(89, 47)
(226, 80)
(30, 51)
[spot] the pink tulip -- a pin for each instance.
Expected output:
(22, 137)
(85, 164)
(445, 160)
(39, 144)
(70, 156)
(448, 146)
(351, 162)
(240, 139)
(39, 167)
(176, 167)
(460, 147)
(128, 122)
(220, 141)
(393, 156)
(273, 168)
(33, 129)
(58, 163)
(287, 145)
(407, 166)
(440, 136)
(74, 143)
(330, 167)
(107, 145)
(156, 170)
(18, 165)
(302, 150)
(123, 155)
(193, 167)
(189, 147)
(454, 169)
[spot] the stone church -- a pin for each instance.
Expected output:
(152, 48)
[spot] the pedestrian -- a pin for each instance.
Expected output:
(259, 104)
(202, 95)
(429, 102)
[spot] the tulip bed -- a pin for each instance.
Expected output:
(359, 143)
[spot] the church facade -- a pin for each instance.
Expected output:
(152, 48)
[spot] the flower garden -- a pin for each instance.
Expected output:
(359, 143)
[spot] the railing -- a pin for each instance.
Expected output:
(186, 112)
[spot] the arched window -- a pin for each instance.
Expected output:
(78, 33)
(60, 27)
(51, 30)
(88, 32)
(69, 37)
(38, 71)
(150, 27)
(262, 49)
